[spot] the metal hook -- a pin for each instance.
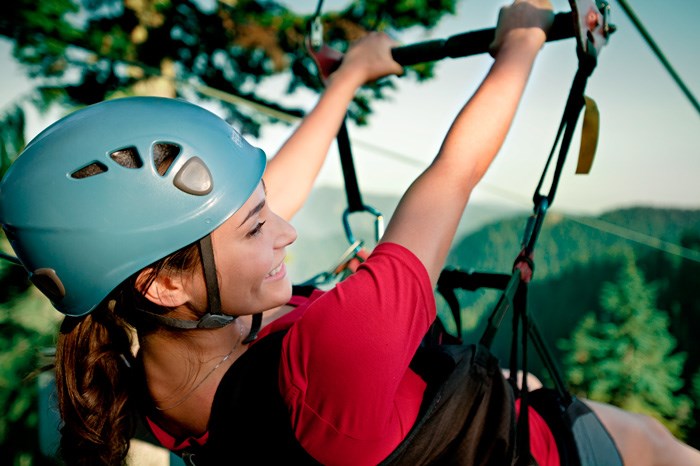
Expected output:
(378, 223)
(316, 33)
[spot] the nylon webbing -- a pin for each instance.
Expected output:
(352, 189)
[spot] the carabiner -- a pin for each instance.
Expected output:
(378, 223)
(316, 33)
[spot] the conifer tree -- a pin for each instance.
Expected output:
(623, 353)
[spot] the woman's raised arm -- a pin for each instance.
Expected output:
(427, 216)
(291, 172)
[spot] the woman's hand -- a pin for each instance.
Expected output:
(523, 21)
(368, 59)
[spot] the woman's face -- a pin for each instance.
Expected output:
(249, 250)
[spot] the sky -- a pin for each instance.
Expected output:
(649, 147)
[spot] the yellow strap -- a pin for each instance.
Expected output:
(589, 137)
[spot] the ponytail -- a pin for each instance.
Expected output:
(96, 388)
(99, 383)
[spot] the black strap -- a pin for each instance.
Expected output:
(254, 328)
(206, 321)
(326, 65)
(450, 280)
(352, 189)
(214, 318)
(523, 429)
(574, 103)
(206, 251)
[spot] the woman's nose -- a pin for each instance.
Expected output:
(287, 233)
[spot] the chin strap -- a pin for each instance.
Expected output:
(213, 318)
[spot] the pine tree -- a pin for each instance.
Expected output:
(623, 354)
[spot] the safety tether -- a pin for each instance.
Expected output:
(591, 30)
(327, 60)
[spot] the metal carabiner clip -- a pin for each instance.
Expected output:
(378, 224)
(316, 33)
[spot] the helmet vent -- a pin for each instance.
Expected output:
(95, 168)
(127, 158)
(164, 154)
(194, 178)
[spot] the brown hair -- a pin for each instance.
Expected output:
(99, 382)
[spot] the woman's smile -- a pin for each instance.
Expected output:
(278, 272)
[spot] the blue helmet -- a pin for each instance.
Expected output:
(85, 205)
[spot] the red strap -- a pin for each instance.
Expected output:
(353, 263)
(327, 59)
(525, 265)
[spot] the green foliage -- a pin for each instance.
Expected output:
(623, 354)
(11, 137)
(687, 309)
(27, 324)
(44, 30)
(99, 48)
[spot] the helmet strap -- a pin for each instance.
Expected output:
(214, 318)
(206, 251)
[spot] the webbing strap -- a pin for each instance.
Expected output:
(214, 318)
(575, 102)
(523, 428)
(352, 189)
(327, 60)
(254, 328)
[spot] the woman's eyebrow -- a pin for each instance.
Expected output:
(253, 211)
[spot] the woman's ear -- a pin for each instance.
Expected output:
(165, 290)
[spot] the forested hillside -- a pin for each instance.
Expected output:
(573, 260)
(577, 261)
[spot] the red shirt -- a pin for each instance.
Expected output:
(344, 371)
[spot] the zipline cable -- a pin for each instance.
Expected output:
(517, 199)
(659, 54)
(637, 237)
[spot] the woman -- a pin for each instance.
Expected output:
(150, 227)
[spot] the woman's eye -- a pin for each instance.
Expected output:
(256, 231)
